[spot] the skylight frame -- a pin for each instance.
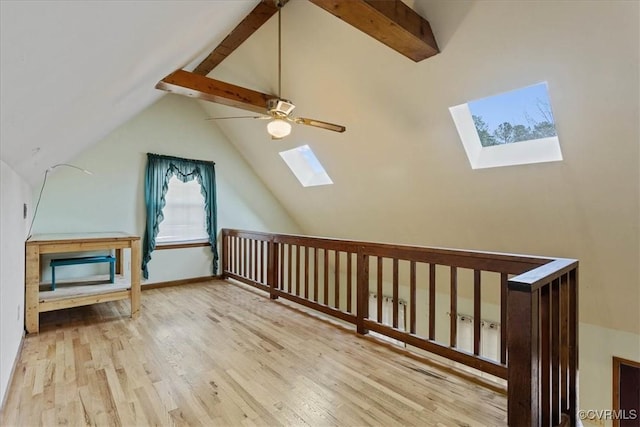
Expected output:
(509, 154)
(306, 167)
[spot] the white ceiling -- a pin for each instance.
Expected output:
(72, 71)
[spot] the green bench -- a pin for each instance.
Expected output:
(83, 260)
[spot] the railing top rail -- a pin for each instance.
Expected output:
(488, 261)
(257, 235)
(532, 280)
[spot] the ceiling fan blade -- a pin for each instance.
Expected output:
(319, 124)
(239, 117)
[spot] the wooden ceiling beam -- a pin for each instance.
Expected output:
(254, 20)
(391, 22)
(183, 82)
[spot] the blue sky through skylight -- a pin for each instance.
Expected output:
(311, 159)
(519, 115)
(511, 106)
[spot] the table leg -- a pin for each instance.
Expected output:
(32, 288)
(135, 278)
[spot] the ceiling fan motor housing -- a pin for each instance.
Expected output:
(280, 106)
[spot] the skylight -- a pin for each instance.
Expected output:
(306, 166)
(510, 128)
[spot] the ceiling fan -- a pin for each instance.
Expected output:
(278, 110)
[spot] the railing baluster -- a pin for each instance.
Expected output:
(231, 256)
(250, 259)
(254, 246)
(289, 267)
(337, 279)
(281, 280)
(226, 246)
(298, 270)
(379, 291)
(564, 335)
(326, 277)
(412, 297)
(238, 269)
(315, 274)
(272, 262)
(263, 260)
(453, 320)
(555, 352)
(247, 255)
(545, 353)
(306, 272)
(362, 292)
(237, 266)
(243, 251)
(504, 280)
(394, 321)
(255, 261)
(477, 314)
(573, 346)
(349, 282)
(432, 302)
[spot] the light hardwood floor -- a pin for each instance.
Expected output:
(218, 354)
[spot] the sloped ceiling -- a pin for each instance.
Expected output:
(400, 172)
(73, 71)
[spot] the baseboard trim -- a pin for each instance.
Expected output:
(179, 282)
(11, 375)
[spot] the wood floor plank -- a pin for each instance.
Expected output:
(218, 353)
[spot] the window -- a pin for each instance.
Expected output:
(306, 166)
(184, 214)
(510, 128)
(171, 206)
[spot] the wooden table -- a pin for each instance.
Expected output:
(40, 244)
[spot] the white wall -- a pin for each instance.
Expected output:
(112, 199)
(14, 192)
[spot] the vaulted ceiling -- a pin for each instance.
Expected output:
(74, 71)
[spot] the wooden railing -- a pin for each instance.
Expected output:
(537, 299)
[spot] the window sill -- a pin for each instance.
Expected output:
(181, 245)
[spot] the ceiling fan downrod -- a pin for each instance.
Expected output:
(279, 5)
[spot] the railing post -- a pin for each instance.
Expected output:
(272, 267)
(362, 289)
(523, 400)
(225, 253)
(573, 346)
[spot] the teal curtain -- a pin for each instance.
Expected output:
(160, 169)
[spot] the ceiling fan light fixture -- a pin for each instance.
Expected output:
(279, 128)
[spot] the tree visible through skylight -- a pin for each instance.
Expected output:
(519, 115)
(489, 127)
